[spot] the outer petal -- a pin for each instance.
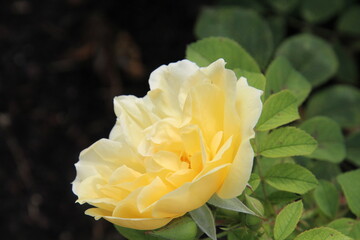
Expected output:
(135, 223)
(102, 158)
(133, 116)
(249, 108)
(190, 195)
(165, 84)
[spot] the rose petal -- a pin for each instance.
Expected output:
(135, 223)
(191, 195)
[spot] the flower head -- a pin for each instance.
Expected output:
(170, 151)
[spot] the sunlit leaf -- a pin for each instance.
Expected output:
(278, 109)
(255, 205)
(322, 233)
(291, 178)
(287, 220)
(254, 182)
(286, 142)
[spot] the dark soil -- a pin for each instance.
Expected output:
(61, 64)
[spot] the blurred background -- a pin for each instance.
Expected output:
(61, 64)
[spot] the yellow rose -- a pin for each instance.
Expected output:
(171, 150)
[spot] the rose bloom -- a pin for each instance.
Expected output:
(172, 150)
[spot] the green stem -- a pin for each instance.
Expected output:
(262, 178)
(224, 233)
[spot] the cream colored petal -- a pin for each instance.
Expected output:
(134, 223)
(208, 109)
(168, 160)
(133, 116)
(162, 136)
(151, 193)
(249, 108)
(178, 178)
(222, 157)
(216, 141)
(111, 154)
(123, 174)
(239, 172)
(190, 195)
(139, 223)
(165, 84)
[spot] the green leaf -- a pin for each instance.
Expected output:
(347, 226)
(255, 205)
(243, 25)
(254, 182)
(327, 198)
(291, 178)
(278, 109)
(281, 75)
(339, 102)
(322, 233)
(349, 21)
(183, 228)
(319, 10)
(283, 5)
(286, 142)
(233, 204)
(205, 220)
(287, 219)
(347, 72)
(242, 233)
(350, 184)
(256, 80)
(133, 234)
(328, 134)
(208, 50)
(282, 197)
(353, 148)
(313, 57)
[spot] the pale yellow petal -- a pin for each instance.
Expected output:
(190, 195)
(208, 109)
(151, 193)
(239, 172)
(139, 223)
(249, 106)
(134, 223)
